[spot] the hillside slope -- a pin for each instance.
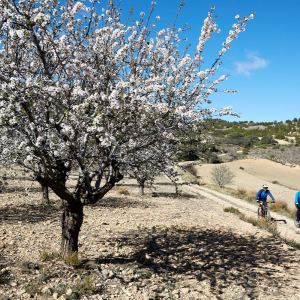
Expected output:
(251, 174)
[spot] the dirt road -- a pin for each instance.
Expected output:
(287, 230)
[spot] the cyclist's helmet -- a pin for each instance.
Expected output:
(265, 186)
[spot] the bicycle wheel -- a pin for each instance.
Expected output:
(260, 212)
(267, 214)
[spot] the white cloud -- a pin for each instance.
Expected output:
(252, 63)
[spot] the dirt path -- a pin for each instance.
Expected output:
(251, 174)
(287, 230)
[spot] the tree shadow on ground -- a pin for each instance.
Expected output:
(114, 202)
(5, 275)
(220, 258)
(21, 189)
(28, 213)
(154, 184)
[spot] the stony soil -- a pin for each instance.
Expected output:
(133, 247)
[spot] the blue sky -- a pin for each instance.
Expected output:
(263, 63)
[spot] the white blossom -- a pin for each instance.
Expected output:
(88, 91)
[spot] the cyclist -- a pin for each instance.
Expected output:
(297, 203)
(263, 193)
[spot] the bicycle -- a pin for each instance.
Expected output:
(263, 211)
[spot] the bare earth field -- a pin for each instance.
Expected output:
(251, 174)
(133, 247)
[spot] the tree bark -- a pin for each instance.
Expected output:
(141, 182)
(176, 188)
(142, 189)
(72, 219)
(45, 192)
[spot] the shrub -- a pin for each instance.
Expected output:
(123, 191)
(48, 256)
(188, 154)
(85, 286)
(232, 210)
(222, 175)
(5, 277)
(192, 169)
(29, 267)
(72, 259)
(268, 140)
(282, 207)
(33, 288)
(214, 159)
(242, 192)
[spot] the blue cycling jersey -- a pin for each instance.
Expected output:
(263, 194)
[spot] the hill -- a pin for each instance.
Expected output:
(251, 174)
(219, 141)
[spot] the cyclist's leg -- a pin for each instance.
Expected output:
(260, 210)
(265, 209)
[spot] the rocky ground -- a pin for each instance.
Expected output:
(133, 247)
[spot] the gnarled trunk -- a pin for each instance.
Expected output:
(45, 192)
(72, 219)
(141, 182)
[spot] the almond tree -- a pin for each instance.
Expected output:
(80, 91)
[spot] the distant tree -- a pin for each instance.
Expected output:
(222, 175)
(268, 140)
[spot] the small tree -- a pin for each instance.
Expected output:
(81, 91)
(222, 175)
(3, 185)
(155, 162)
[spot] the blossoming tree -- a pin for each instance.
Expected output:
(82, 92)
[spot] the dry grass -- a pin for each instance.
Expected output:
(264, 224)
(232, 210)
(86, 285)
(72, 259)
(240, 193)
(48, 256)
(279, 206)
(282, 207)
(261, 223)
(123, 191)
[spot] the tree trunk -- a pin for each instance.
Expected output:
(45, 192)
(72, 219)
(142, 189)
(176, 188)
(141, 182)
